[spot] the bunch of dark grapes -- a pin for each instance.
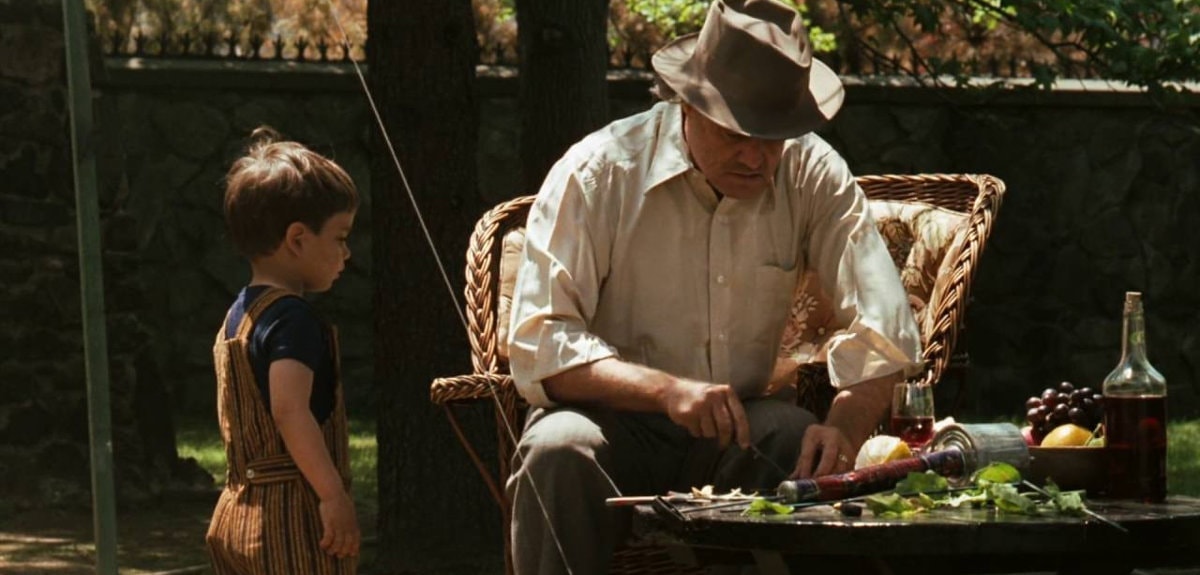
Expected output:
(1064, 404)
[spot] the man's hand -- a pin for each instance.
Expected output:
(856, 411)
(835, 452)
(339, 526)
(707, 410)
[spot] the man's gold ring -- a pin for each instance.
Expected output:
(842, 457)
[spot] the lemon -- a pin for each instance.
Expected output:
(1067, 435)
(881, 449)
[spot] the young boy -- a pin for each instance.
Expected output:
(286, 507)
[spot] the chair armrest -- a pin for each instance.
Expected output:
(473, 387)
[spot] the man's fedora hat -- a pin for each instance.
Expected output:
(751, 70)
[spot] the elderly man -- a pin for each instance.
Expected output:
(661, 258)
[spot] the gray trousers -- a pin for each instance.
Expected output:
(578, 457)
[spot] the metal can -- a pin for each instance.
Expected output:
(983, 444)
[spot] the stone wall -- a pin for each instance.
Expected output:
(43, 404)
(175, 130)
(37, 266)
(1102, 197)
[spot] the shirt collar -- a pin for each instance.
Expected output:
(671, 160)
(670, 157)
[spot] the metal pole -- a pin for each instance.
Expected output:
(91, 280)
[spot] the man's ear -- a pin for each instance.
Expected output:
(294, 236)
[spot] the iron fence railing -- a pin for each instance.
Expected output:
(228, 47)
(246, 47)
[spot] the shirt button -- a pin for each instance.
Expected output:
(723, 219)
(721, 337)
(721, 279)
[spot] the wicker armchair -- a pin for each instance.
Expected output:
(971, 203)
(973, 199)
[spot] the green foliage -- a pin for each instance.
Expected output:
(241, 19)
(995, 484)
(1148, 43)
(761, 506)
(678, 17)
(922, 483)
(672, 17)
(1183, 457)
(996, 473)
(1145, 42)
(1154, 44)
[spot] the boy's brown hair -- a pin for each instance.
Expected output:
(276, 184)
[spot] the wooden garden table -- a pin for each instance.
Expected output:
(821, 540)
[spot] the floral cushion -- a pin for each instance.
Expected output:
(923, 240)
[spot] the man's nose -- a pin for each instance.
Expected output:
(752, 154)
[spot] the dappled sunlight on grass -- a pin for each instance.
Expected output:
(363, 465)
(42, 551)
(202, 440)
(1183, 458)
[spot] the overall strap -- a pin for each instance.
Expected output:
(260, 304)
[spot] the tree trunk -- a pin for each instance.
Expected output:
(563, 90)
(432, 505)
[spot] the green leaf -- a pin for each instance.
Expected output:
(971, 496)
(996, 473)
(1066, 502)
(924, 501)
(761, 506)
(922, 483)
(1070, 503)
(891, 505)
(1007, 499)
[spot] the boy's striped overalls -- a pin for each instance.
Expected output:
(266, 521)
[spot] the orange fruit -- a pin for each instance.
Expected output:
(881, 449)
(1068, 435)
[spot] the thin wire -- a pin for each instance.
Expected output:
(396, 159)
(760, 455)
(445, 277)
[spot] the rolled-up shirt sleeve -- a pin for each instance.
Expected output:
(557, 289)
(877, 333)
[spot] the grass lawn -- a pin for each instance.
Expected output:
(1183, 458)
(201, 440)
(170, 536)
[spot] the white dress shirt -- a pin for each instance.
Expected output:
(630, 253)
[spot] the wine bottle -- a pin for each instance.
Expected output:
(1135, 416)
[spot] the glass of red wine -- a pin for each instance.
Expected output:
(912, 413)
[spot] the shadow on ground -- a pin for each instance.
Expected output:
(164, 537)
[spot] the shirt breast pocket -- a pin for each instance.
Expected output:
(773, 290)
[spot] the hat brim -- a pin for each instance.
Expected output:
(810, 111)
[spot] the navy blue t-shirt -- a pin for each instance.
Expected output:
(289, 329)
